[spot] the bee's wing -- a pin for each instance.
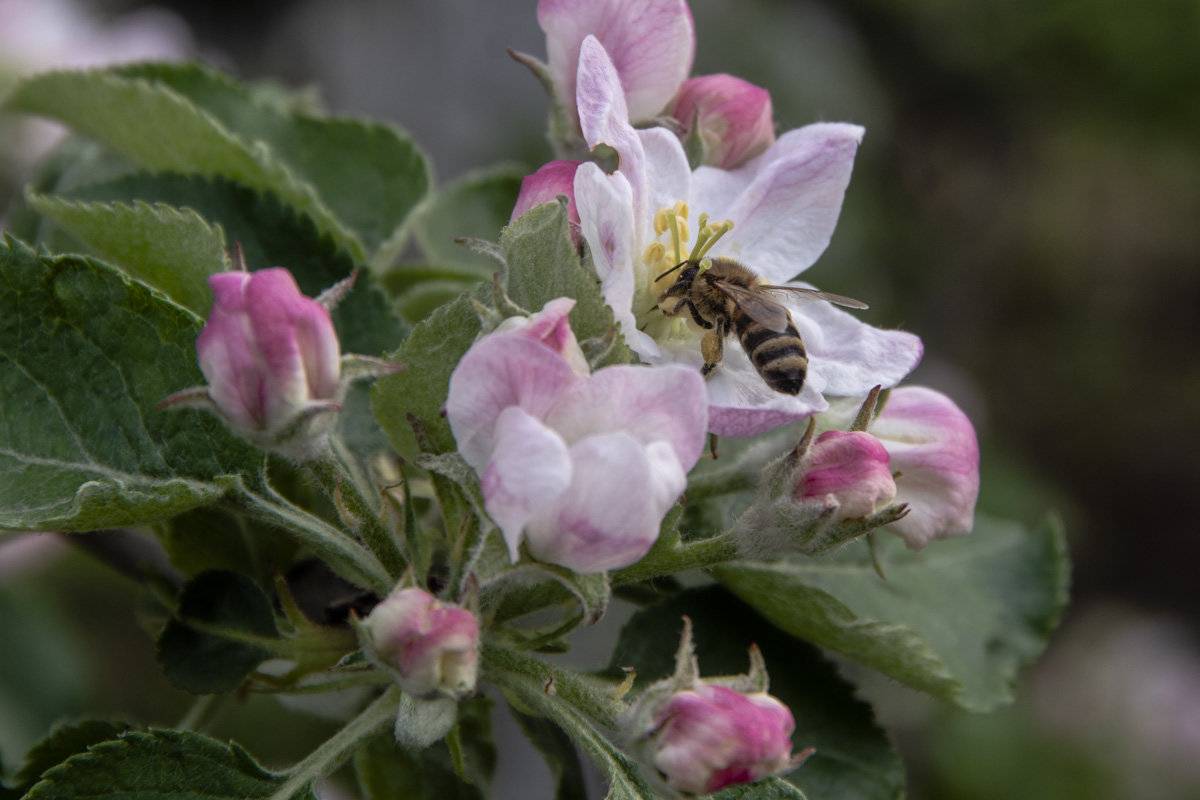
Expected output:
(803, 294)
(757, 305)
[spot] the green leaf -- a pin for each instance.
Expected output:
(854, 759)
(957, 620)
(560, 755)
(161, 130)
(543, 264)
(170, 765)
(64, 741)
(271, 233)
(170, 249)
(214, 537)
(769, 789)
(477, 205)
(370, 175)
(430, 354)
(387, 771)
(85, 356)
(200, 649)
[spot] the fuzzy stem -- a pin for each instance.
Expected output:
(338, 481)
(344, 555)
(329, 756)
(593, 700)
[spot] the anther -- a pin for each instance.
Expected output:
(660, 222)
(654, 253)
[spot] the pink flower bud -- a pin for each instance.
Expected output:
(733, 117)
(431, 647)
(710, 737)
(272, 360)
(544, 186)
(849, 471)
(934, 450)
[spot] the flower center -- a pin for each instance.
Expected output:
(671, 249)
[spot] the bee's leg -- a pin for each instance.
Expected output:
(699, 320)
(676, 290)
(676, 309)
(712, 347)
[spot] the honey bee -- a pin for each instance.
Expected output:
(724, 297)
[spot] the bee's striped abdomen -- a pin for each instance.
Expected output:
(779, 356)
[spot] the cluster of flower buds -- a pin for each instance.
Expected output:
(704, 735)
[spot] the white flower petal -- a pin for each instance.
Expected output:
(665, 404)
(501, 370)
(608, 518)
(848, 357)
(933, 446)
(607, 222)
(651, 70)
(785, 203)
(529, 469)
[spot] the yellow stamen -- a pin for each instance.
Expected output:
(654, 254)
(660, 222)
(673, 219)
(681, 209)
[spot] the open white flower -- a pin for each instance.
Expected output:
(781, 208)
(580, 467)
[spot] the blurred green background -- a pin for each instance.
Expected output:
(1026, 199)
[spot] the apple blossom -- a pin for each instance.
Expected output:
(848, 471)
(431, 647)
(272, 360)
(731, 118)
(709, 737)
(704, 735)
(651, 42)
(935, 453)
(579, 467)
(777, 215)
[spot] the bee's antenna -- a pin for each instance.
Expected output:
(668, 272)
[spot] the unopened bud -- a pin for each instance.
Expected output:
(847, 471)
(731, 118)
(432, 648)
(710, 737)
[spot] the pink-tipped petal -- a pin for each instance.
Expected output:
(651, 404)
(652, 43)
(608, 517)
(529, 469)
(785, 203)
(499, 371)
(934, 449)
(847, 357)
(606, 214)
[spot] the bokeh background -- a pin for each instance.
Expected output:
(1027, 199)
